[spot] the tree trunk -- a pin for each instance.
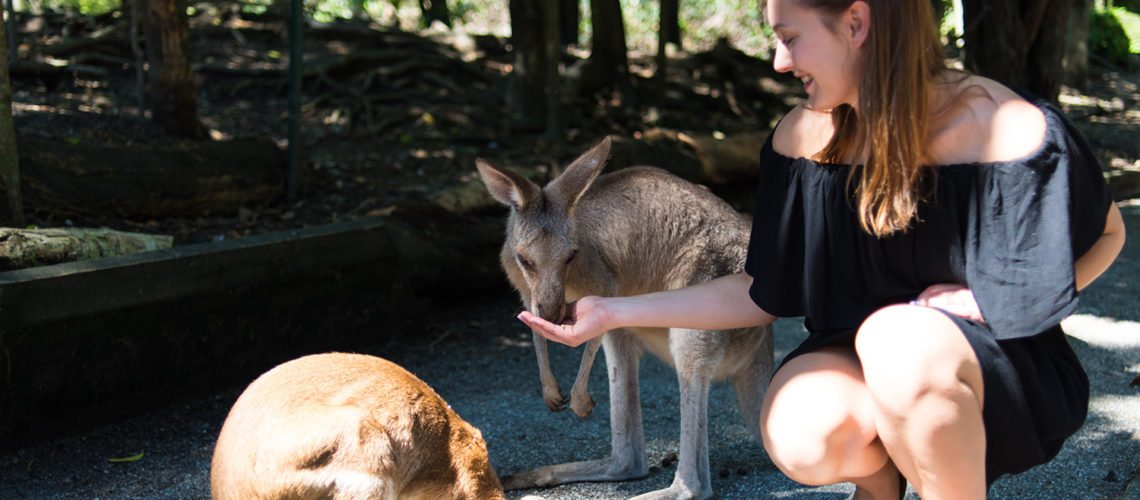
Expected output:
(174, 96)
(553, 55)
(1077, 49)
(1047, 53)
(671, 22)
(435, 10)
(1020, 43)
(993, 37)
(22, 248)
(669, 32)
(11, 29)
(12, 209)
(608, 49)
(526, 84)
(570, 15)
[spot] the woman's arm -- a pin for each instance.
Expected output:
(722, 303)
(1095, 261)
(959, 300)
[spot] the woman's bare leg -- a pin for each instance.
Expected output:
(818, 425)
(926, 386)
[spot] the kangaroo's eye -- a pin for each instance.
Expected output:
(526, 263)
(570, 258)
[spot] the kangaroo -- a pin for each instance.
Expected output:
(634, 231)
(348, 426)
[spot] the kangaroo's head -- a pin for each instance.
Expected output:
(542, 242)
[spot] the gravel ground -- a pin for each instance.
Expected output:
(480, 360)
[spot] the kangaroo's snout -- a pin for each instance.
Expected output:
(552, 312)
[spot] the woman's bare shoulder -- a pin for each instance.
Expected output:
(991, 124)
(802, 133)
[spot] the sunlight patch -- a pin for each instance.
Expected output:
(1103, 332)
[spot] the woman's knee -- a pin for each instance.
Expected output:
(909, 353)
(811, 419)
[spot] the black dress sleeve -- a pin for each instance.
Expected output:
(1031, 221)
(776, 249)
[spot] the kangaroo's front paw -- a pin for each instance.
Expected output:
(582, 404)
(553, 398)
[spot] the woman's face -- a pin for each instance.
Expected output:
(824, 59)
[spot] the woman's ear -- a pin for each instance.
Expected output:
(859, 21)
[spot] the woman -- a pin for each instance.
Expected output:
(934, 228)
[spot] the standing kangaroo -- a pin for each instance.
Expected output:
(638, 230)
(348, 426)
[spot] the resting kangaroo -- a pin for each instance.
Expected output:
(634, 231)
(348, 426)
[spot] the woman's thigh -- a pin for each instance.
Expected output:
(908, 351)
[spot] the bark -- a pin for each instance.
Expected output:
(22, 248)
(1047, 53)
(669, 32)
(1077, 49)
(12, 208)
(569, 16)
(608, 50)
(1017, 42)
(607, 67)
(174, 95)
(671, 22)
(192, 179)
(435, 10)
(526, 85)
(553, 53)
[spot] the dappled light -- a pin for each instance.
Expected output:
(325, 197)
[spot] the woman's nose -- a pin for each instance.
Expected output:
(782, 61)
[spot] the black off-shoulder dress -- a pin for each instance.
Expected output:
(1010, 231)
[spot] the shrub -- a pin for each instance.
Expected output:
(1107, 38)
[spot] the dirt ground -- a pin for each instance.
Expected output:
(391, 118)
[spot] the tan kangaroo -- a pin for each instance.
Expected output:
(634, 231)
(348, 426)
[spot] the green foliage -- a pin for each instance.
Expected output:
(702, 21)
(255, 6)
(1130, 21)
(86, 7)
(1132, 6)
(1107, 37)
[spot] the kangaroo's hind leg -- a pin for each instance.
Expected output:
(751, 381)
(627, 438)
(696, 355)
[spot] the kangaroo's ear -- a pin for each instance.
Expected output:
(507, 187)
(578, 176)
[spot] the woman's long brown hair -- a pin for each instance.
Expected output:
(903, 55)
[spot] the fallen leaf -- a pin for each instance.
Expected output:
(121, 460)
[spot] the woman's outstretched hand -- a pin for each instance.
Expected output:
(952, 298)
(585, 319)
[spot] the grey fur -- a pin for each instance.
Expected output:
(638, 230)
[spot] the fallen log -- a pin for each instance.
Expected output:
(22, 248)
(191, 178)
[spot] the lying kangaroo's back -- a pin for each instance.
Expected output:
(657, 231)
(347, 426)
